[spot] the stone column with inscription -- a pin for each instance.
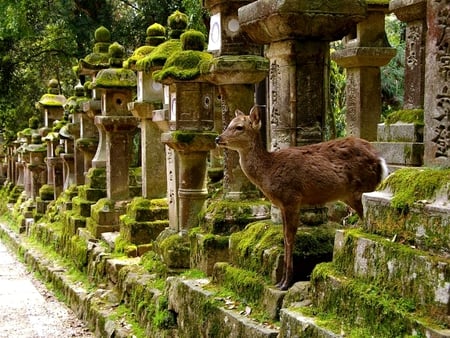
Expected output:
(366, 50)
(437, 84)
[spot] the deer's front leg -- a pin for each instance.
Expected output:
(290, 223)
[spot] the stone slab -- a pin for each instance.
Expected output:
(399, 132)
(401, 153)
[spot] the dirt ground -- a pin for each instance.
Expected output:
(28, 309)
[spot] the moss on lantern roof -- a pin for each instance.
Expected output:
(184, 65)
(51, 136)
(115, 78)
(159, 55)
(52, 100)
(156, 34)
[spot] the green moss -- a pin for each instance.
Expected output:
(191, 137)
(415, 116)
(410, 185)
(184, 65)
(46, 192)
(115, 78)
(193, 40)
(227, 216)
(248, 284)
(159, 55)
(378, 313)
(102, 34)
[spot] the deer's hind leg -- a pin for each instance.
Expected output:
(355, 202)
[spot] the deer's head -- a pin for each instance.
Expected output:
(242, 131)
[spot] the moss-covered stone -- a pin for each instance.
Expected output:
(259, 248)
(415, 116)
(183, 65)
(228, 216)
(47, 192)
(410, 185)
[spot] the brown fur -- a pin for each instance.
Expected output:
(310, 175)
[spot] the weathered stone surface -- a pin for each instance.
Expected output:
(266, 21)
(399, 132)
(425, 225)
(401, 153)
(437, 94)
(403, 272)
(295, 324)
(198, 315)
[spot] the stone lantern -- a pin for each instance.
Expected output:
(66, 134)
(36, 152)
(84, 132)
(149, 98)
(190, 127)
(364, 53)
(236, 68)
(52, 104)
(89, 67)
(115, 86)
(55, 163)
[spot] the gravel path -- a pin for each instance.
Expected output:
(28, 309)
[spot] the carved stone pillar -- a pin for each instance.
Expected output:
(437, 79)
(414, 14)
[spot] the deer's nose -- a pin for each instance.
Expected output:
(217, 139)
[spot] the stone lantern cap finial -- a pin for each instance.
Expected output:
(74, 104)
(115, 77)
(99, 58)
(177, 23)
(185, 64)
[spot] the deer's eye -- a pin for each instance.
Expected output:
(240, 128)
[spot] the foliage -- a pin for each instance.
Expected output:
(41, 40)
(391, 81)
(392, 75)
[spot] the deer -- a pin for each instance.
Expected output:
(310, 175)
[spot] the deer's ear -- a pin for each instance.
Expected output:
(238, 113)
(255, 118)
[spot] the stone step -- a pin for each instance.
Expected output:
(202, 312)
(352, 307)
(249, 286)
(401, 153)
(425, 225)
(402, 271)
(399, 132)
